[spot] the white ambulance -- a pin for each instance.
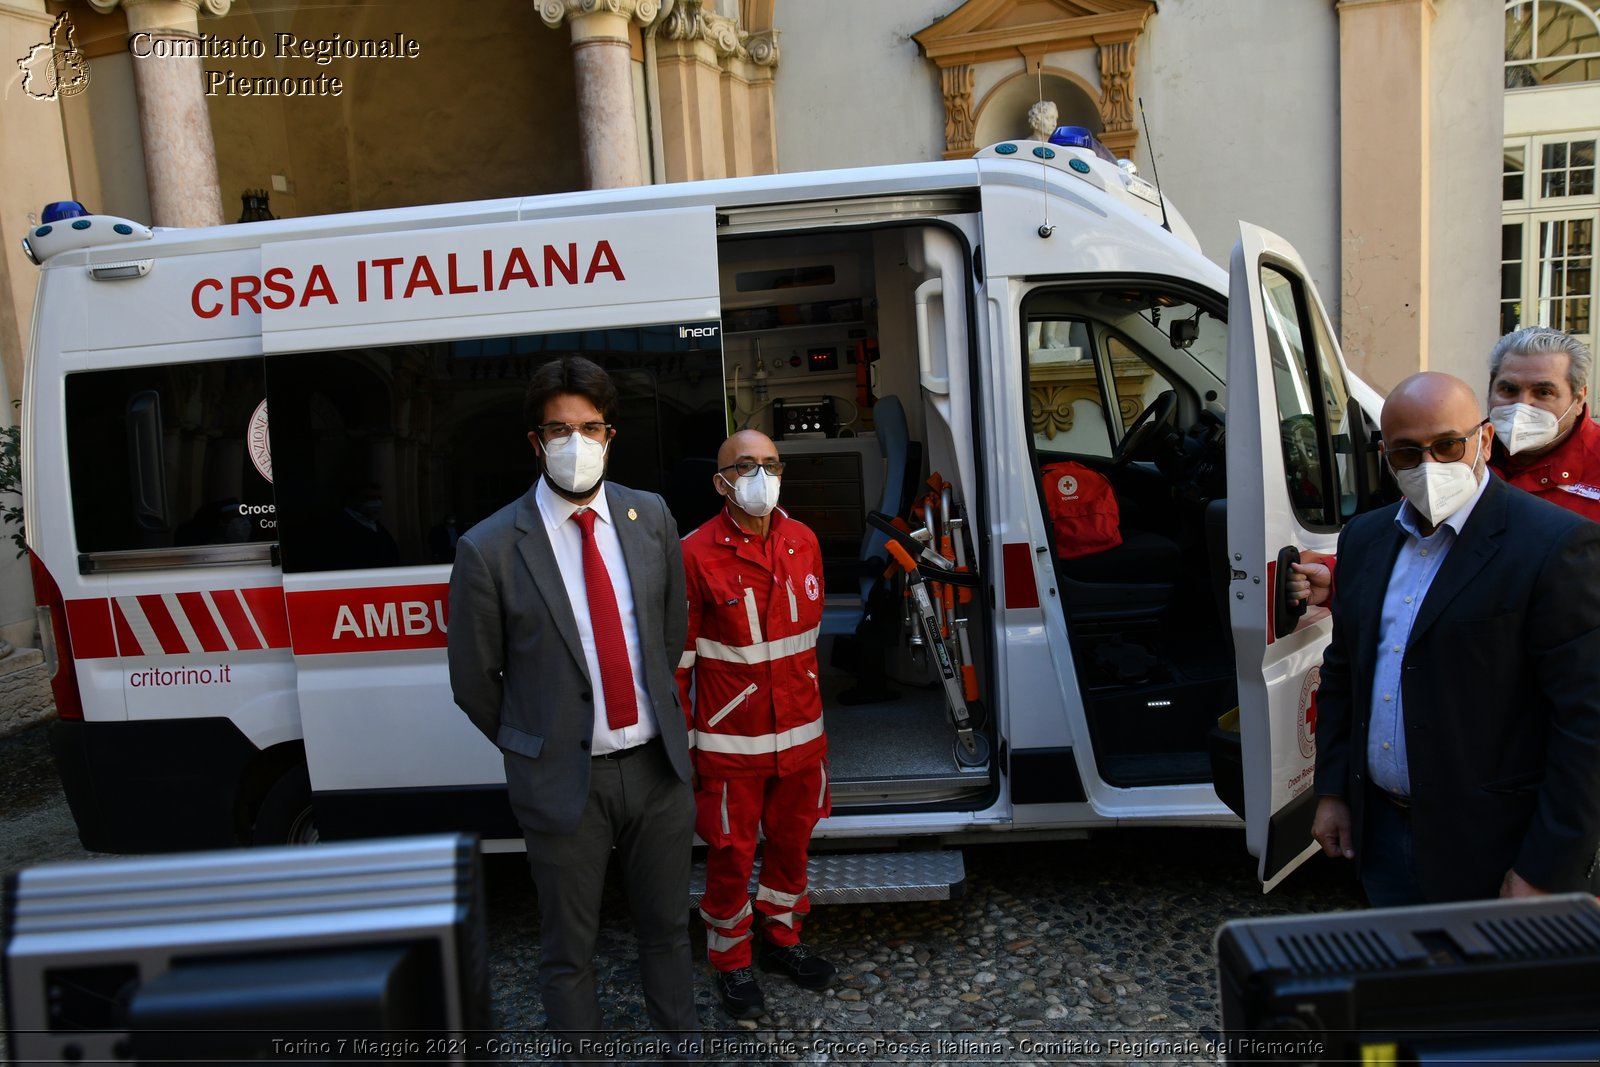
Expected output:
(249, 640)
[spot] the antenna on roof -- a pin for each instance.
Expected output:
(1155, 172)
(1045, 228)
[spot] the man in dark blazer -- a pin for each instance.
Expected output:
(567, 618)
(1458, 720)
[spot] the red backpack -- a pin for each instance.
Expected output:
(1083, 509)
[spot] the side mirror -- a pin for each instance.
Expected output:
(1184, 332)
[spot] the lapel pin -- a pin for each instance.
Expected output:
(632, 514)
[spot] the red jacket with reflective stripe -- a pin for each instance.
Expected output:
(1568, 475)
(755, 607)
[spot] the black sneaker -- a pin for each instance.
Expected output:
(809, 970)
(740, 994)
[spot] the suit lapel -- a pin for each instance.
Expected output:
(1475, 545)
(638, 554)
(540, 559)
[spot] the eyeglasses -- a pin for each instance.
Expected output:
(1445, 450)
(748, 467)
(550, 432)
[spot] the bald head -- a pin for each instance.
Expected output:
(747, 444)
(1430, 406)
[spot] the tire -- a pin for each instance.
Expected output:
(286, 816)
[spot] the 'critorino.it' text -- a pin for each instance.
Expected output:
(320, 51)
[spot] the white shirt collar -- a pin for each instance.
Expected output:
(556, 509)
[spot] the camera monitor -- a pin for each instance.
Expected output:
(319, 953)
(1510, 981)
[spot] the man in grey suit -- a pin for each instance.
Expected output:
(567, 617)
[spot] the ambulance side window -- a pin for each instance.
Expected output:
(1065, 403)
(1312, 405)
(385, 455)
(169, 456)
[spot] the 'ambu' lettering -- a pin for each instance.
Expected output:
(407, 618)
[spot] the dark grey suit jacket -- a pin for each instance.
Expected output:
(1501, 690)
(516, 659)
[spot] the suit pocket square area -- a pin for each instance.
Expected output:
(512, 739)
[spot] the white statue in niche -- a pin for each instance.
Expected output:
(1042, 118)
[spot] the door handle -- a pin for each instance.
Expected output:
(1287, 611)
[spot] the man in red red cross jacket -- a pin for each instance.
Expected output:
(754, 579)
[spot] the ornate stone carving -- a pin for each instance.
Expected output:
(1005, 31)
(1116, 82)
(1054, 387)
(959, 122)
(215, 8)
(763, 48)
(556, 12)
(690, 22)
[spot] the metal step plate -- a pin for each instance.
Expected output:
(868, 877)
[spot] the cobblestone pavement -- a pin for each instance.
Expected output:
(1068, 952)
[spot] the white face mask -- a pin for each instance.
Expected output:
(1523, 427)
(1438, 490)
(756, 495)
(575, 463)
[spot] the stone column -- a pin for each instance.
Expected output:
(763, 49)
(602, 61)
(694, 139)
(180, 158)
(717, 115)
(1384, 181)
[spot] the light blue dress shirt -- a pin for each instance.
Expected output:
(1414, 570)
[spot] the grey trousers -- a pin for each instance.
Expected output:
(639, 807)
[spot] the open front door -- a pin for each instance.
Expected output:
(1293, 455)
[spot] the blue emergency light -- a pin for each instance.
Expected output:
(1080, 137)
(62, 209)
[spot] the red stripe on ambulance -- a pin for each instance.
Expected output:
(270, 613)
(193, 606)
(230, 605)
(90, 629)
(370, 620)
(160, 623)
(172, 624)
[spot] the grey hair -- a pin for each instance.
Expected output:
(1537, 340)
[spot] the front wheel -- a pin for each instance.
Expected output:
(286, 816)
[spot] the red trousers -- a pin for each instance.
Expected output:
(729, 813)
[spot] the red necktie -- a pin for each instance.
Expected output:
(611, 649)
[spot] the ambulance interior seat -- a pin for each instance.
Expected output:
(1134, 580)
(1138, 579)
(901, 458)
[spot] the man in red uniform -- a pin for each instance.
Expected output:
(754, 578)
(1544, 440)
